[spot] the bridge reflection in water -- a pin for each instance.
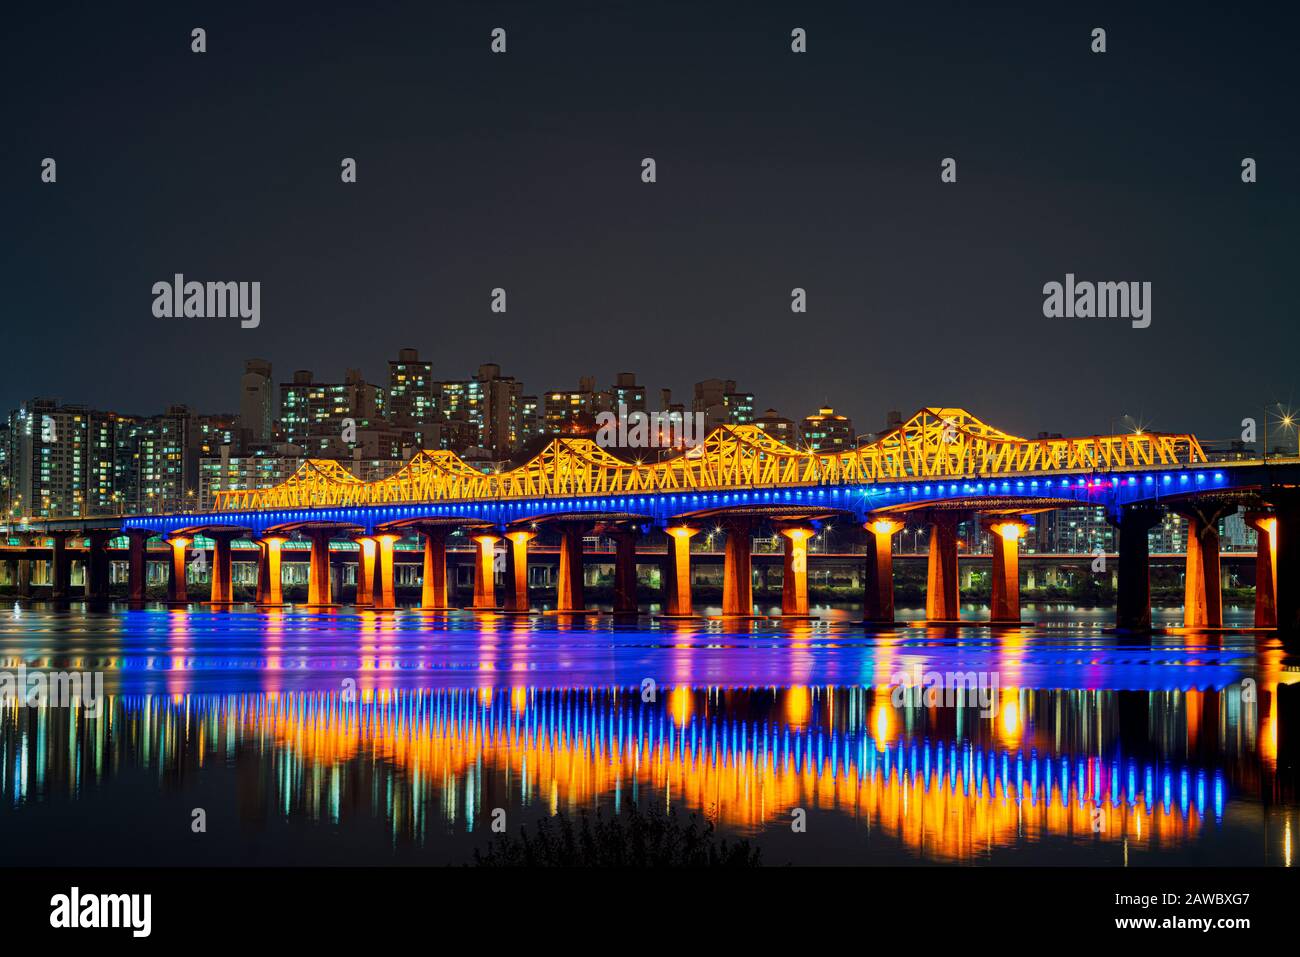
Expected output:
(1145, 771)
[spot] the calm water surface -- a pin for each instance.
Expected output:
(1100, 749)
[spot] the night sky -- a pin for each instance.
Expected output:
(775, 170)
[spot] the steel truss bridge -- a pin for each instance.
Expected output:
(934, 444)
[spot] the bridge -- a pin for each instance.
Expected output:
(941, 467)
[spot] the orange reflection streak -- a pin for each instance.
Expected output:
(954, 812)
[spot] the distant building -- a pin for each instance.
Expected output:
(827, 431)
(722, 403)
(412, 392)
(256, 403)
(313, 414)
(628, 393)
(570, 411)
(486, 411)
(779, 427)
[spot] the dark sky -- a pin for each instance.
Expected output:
(775, 170)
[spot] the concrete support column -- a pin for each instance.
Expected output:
(1287, 562)
(485, 588)
(517, 570)
(1265, 568)
(676, 574)
(624, 569)
(434, 593)
(318, 576)
(942, 599)
(385, 595)
(878, 594)
(1133, 585)
(223, 589)
(137, 565)
(1005, 603)
(270, 592)
(97, 566)
(794, 581)
(737, 573)
(1202, 597)
(365, 571)
(177, 591)
(60, 567)
(569, 595)
(24, 572)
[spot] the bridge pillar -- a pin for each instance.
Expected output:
(676, 573)
(1005, 604)
(625, 537)
(878, 596)
(318, 575)
(794, 580)
(137, 565)
(97, 565)
(24, 571)
(570, 592)
(60, 566)
(433, 595)
(1265, 526)
(1287, 560)
(177, 591)
(385, 594)
(365, 571)
(270, 591)
(485, 586)
(1202, 592)
(1133, 585)
(517, 571)
(223, 588)
(942, 598)
(737, 572)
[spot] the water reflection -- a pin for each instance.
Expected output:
(1106, 751)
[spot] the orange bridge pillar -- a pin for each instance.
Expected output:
(485, 586)
(177, 593)
(223, 587)
(676, 573)
(433, 595)
(794, 576)
(517, 570)
(737, 573)
(942, 598)
(1005, 604)
(1265, 568)
(878, 597)
(365, 571)
(318, 575)
(570, 592)
(1202, 584)
(385, 591)
(270, 592)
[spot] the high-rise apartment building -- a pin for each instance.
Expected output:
(828, 431)
(722, 403)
